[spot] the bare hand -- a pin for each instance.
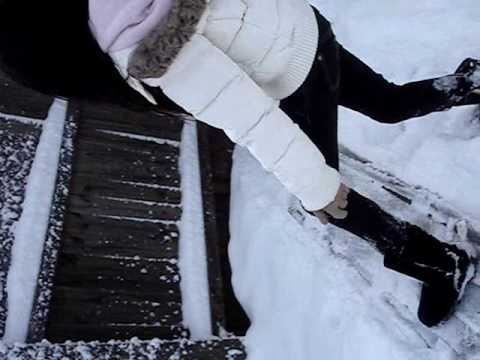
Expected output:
(337, 208)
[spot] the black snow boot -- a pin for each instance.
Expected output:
(469, 69)
(462, 87)
(445, 269)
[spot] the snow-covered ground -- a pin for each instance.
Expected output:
(302, 288)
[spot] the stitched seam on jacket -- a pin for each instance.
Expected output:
(260, 119)
(242, 24)
(226, 86)
(285, 152)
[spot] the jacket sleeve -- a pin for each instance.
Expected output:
(215, 90)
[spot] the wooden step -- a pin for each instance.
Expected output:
(128, 141)
(124, 207)
(148, 124)
(214, 349)
(79, 332)
(100, 306)
(128, 171)
(105, 236)
(94, 187)
(112, 272)
(117, 273)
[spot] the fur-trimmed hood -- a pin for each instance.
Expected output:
(159, 49)
(158, 29)
(273, 41)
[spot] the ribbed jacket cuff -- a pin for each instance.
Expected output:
(305, 48)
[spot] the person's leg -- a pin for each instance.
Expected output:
(314, 107)
(366, 91)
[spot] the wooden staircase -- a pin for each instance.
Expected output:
(117, 273)
(110, 263)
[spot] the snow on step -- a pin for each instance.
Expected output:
(31, 229)
(193, 252)
(139, 219)
(18, 140)
(21, 119)
(142, 137)
(154, 186)
(229, 349)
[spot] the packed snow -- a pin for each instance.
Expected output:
(192, 246)
(318, 292)
(16, 157)
(31, 228)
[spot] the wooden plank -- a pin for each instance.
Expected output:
(123, 208)
(231, 349)
(78, 332)
(161, 125)
(113, 350)
(129, 172)
(161, 129)
(118, 162)
(101, 307)
(93, 187)
(129, 141)
(164, 154)
(123, 160)
(161, 286)
(169, 298)
(119, 237)
(103, 159)
(111, 272)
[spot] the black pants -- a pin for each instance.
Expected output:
(339, 78)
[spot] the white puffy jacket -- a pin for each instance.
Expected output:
(228, 63)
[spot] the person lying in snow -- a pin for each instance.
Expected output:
(271, 74)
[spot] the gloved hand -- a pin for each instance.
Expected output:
(337, 208)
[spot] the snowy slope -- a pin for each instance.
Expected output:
(320, 293)
(409, 41)
(303, 289)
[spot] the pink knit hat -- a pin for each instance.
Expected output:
(119, 24)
